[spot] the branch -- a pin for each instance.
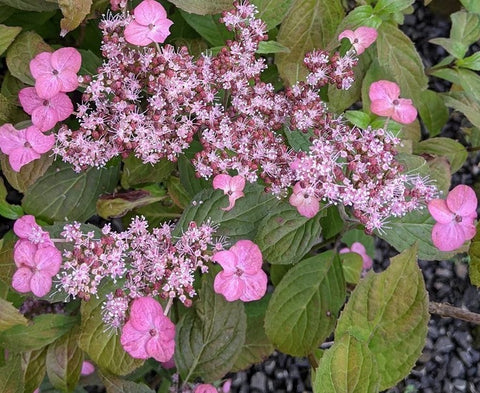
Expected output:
(446, 310)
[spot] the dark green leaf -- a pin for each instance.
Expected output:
(192, 183)
(34, 366)
(208, 27)
(136, 172)
(11, 376)
(7, 35)
(31, 5)
(358, 118)
(177, 192)
(7, 210)
(299, 140)
(332, 222)
(474, 253)
(444, 147)
(7, 266)
(115, 384)
(203, 7)
(10, 316)
(352, 264)
(433, 111)
(272, 12)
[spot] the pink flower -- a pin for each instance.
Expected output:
(227, 385)
(36, 267)
(56, 72)
(23, 146)
(87, 368)
(45, 112)
(386, 102)
(455, 218)
(205, 388)
(148, 333)
(361, 38)
(242, 276)
(359, 248)
(231, 186)
(150, 24)
(304, 200)
(26, 228)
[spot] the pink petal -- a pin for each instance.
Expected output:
(24, 253)
(366, 37)
(48, 86)
(205, 388)
(21, 280)
(40, 284)
(349, 34)
(143, 312)
(227, 259)
(231, 287)
(255, 286)
(66, 59)
(462, 201)
(359, 248)
(137, 34)
(87, 368)
(159, 349)
(248, 255)
(447, 237)
(63, 106)
(24, 226)
(149, 11)
(440, 212)
(404, 112)
(44, 117)
(22, 156)
(222, 182)
(232, 199)
(382, 108)
(237, 184)
(383, 90)
(468, 228)
(160, 32)
(41, 65)
(40, 142)
(309, 208)
(10, 138)
(134, 342)
(29, 99)
(68, 81)
(48, 260)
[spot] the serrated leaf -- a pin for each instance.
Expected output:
(11, 376)
(309, 24)
(416, 226)
(360, 16)
(74, 12)
(7, 35)
(31, 5)
(101, 344)
(203, 7)
(444, 147)
(28, 173)
(239, 223)
(210, 336)
(465, 103)
(25, 47)
(385, 7)
(433, 111)
(61, 194)
(257, 346)
(64, 362)
(10, 316)
(272, 12)
(7, 210)
(347, 367)
(208, 27)
(465, 27)
(389, 313)
(285, 236)
(474, 253)
(136, 172)
(115, 384)
(34, 368)
(45, 329)
(304, 306)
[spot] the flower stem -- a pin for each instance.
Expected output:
(168, 306)
(446, 310)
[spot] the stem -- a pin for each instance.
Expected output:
(168, 306)
(446, 310)
(474, 148)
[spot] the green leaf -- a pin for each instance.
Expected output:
(100, 343)
(352, 264)
(456, 48)
(467, 79)
(11, 376)
(389, 313)
(358, 235)
(304, 306)
(386, 7)
(7, 266)
(474, 252)
(444, 147)
(465, 27)
(10, 316)
(64, 362)
(271, 47)
(398, 56)
(277, 272)
(272, 12)
(136, 172)
(416, 226)
(309, 24)
(208, 27)
(74, 12)
(470, 62)
(119, 204)
(257, 346)
(7, 210)
(62, 194)
(25, 47)
(193, 185)
(239, 223)
(440, 173)
(358, 118)
(34, 368)
(471, 5)
(332, 222)
(90, 62)
(347, 367)
(156, 213)
(7, 36)
(360, 16)
(10, 88)
(209, 336)
(115, 384)
(285, 236)
(177, 192)
(31, 5)
(299, 140)
(465, 103)
(45, 329)
(203, 7)
(28, 173)
(433, 111)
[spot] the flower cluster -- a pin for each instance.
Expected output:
(35, 256)
(144, 263)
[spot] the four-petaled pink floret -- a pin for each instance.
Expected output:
(36, 267)
(359, 248)
(205, 388)
(231, 186)
(56, 72)
(304, 199)
(360, 38)
(242, 276)
(150, 24)
(454, 218)
(386, 101)
(23, 146)
(148, 332)
(27, 229)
